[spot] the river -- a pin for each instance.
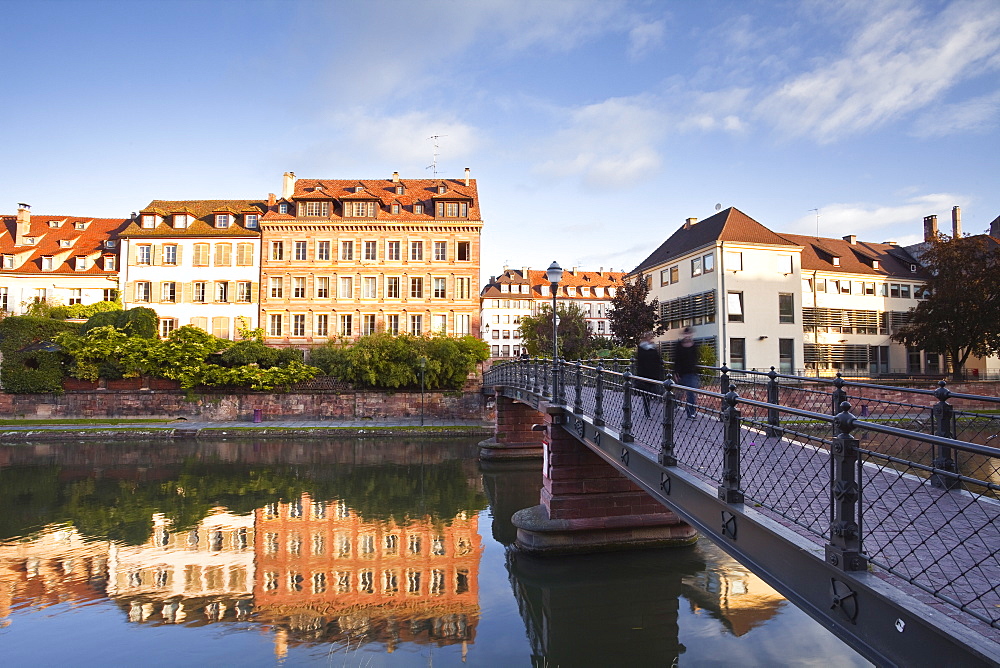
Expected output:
(352, 552)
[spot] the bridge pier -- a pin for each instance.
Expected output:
(587, 506)
(514, 438)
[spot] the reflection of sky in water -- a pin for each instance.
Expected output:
(722, 615)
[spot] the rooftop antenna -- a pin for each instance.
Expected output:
(434, 165)
(817, 220)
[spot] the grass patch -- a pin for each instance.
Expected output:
(68, 421)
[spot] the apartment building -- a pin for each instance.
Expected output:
(516, 293)
(57, 259)
(195, 262)
(347, 258)
(796, 302)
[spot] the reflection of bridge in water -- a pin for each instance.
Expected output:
(884, 528)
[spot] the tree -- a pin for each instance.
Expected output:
(631, 315)
(961, 314)
(574, 336)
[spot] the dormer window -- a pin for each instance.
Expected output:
(836, 261)
(441, 190)
(251, 221)
(109, 263)
(65, 243)
(395, 209)
(110, 243)
(400, 190)
(913, 268)
(81, 263)
(55, 223)
(29, 241)
(874, 264)
(283, 208)
(314, 208)
(180, 221)
(418, 208)
(148, 221)
(8, 261)
(452, 210)
(222, 220)
(359, 188)
(79, 226)
(47, 263)
(359, 209)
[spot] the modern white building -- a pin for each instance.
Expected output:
(57, 259)
(195, 262)
(798, 303)
(515, 293)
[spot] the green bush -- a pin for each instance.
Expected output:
(85, 310)
(33, 370)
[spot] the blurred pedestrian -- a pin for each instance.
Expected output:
(648, 364)
(686, 358)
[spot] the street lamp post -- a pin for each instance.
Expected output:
(554, 274)
(422, 362)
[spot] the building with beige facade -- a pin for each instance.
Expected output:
(57, 259)
(195, 262)
(346, 258)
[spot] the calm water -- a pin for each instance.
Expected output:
(386, 552)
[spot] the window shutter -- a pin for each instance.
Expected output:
(131, 254)
(255, 293)
(155, 288)
(186, 291)
(129, 295)
(157, 254)
(179, 249)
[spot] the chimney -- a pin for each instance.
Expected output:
(395, 177)
(995, 227)
(271, 199)
(524, 273)
(23, 223)
(930, 228)
(956, 222)
(689, 222)
(467, 173)
(851, 239)
(288, 185)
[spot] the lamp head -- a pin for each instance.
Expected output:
(554, 272)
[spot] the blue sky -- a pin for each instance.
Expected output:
(594, 128)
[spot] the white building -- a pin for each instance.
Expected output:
(794, 302)
(515, 293)
(57, 259)
(195, 262)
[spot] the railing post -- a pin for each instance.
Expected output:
(844, 548)
(773, 415)
(626, 435)
(944, 426)
(723, 385)
(578, 402)
(562, 383)
(667, 457)
(838, 397)
(730, 490)
(599, 396)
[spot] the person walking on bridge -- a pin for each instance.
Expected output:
(686, 358)
(648, 364)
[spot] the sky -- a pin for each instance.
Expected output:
(594, 128)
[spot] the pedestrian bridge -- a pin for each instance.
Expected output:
(875, 509)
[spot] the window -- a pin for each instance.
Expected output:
(200, 258)
(869, 289)
(416, 287)
(894, 289)
(734, 306)
(369, 287)
(322, 325)
(223, 255)
(439, 323)
(440, 251)
(314, 209)
(298, 324)
(359, 209)
(464, 251)
(708, 263)
(347, 250)
(199, 291)
(463, 288)
(299, 287)
(80, 263)
(416, 324)
(392, 287)
(323, 287)
(277, 287)
(346, 322)
(167, 325)
(274, 324)
(170, 254)
(142, 290)
(149, 221)
(76, 296)
(168, 292)
(222, 291)
(143, 255)
(371, 250)
(222, 220)
(417, 251)
(439, 288)
(299, 248)
(418, 208)
(283, 207)
(346, 287)
(243, 291)
(220, 327)
(395, 209)
(665, 277)
(277, 250)
(244, 255)
(696, 267)
(8, 261)
(109, 295)
(738, 353)
(904, 291)
(463, 324)
(181, 221)
(65, 243)
(110, 262)
(392, 324)
(452, 209)
(251, 221)
(392, 250)
(368, 324)
(786, 307)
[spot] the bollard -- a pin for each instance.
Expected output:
(258, 415)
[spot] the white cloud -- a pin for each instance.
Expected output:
(902, 223)
(644, 38)
(899, 61)
(976, 115)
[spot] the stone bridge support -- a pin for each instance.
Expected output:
(587, 505)
(514, 438)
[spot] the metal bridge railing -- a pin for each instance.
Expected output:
(905, 481)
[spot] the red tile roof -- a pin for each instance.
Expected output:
(204, 211)
(818, 254)
(86, 242)
(383, 191)
(537, 278)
